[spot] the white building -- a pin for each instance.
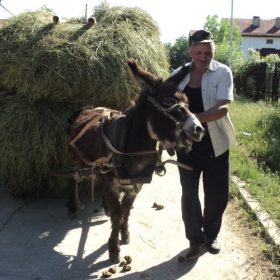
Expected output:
(260, 34)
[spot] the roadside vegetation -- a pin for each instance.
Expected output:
(256, 158)
(256, 161)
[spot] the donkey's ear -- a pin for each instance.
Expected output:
(179, 76)
(142, 77)
(157, 82)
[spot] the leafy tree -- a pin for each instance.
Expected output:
(212, 25)
(221, 30)
(178, 53)
(221, 34)
(224, 32)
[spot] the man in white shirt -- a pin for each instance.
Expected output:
(209, 87)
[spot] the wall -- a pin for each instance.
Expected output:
(259, 43)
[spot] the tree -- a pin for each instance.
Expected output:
(178, 53)
(221, 34)
(212, 25)
(221, 30)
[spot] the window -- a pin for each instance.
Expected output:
(269, 41)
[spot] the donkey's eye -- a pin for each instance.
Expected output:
(168, 102)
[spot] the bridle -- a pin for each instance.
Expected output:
(166, 111)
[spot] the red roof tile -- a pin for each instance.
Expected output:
(267, 27)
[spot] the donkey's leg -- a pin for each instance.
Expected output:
(110, 194)
(71, 201)
(127, 203)
(105, 203)
(116, 220)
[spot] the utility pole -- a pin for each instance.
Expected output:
(231, 31)
(86, 13)
(5, 8)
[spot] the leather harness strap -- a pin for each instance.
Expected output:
(105, 113)
(142, 153)
(113, 149)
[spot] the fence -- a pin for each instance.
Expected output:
(260, 84)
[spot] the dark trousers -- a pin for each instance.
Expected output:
(215, 171)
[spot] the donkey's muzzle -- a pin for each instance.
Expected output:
(193, 128)
(198, 129)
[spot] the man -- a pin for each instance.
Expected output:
(209, 87)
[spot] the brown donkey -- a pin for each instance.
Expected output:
(123, 146)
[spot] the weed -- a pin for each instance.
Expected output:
(256, 158)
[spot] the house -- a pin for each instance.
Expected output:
(260, 34)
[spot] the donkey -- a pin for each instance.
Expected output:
(126, 144)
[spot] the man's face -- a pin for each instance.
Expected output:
(201, 54)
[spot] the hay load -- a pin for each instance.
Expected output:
(33, 142)
(48, 69)
(79, 62)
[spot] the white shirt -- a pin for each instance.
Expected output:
(216, 84)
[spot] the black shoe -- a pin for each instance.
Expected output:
(213, 246)
(194, 252)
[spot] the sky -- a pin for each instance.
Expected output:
(174, 17)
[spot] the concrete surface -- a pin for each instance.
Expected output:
(272, 231)
(39, 242)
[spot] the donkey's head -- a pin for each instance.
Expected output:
(168, 117)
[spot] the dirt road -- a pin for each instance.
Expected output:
(38, 241)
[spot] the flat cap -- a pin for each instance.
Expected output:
(201, 36)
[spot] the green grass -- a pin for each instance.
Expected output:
(256, 158)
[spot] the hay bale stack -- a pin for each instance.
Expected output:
(33, 141)
(49, 69)
(78, 62)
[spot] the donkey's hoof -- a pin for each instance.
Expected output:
(125, 238)
(72, 215)
(114, 257)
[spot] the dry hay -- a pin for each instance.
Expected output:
(33, 141)
(48, 70)
(78, 62)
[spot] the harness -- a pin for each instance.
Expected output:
(115, 143)
(116, 132)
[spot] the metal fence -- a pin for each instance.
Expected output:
(260, 84)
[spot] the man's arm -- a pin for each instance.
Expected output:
(216, 112)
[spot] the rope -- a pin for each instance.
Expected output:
(93, 176)
(160, 166)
